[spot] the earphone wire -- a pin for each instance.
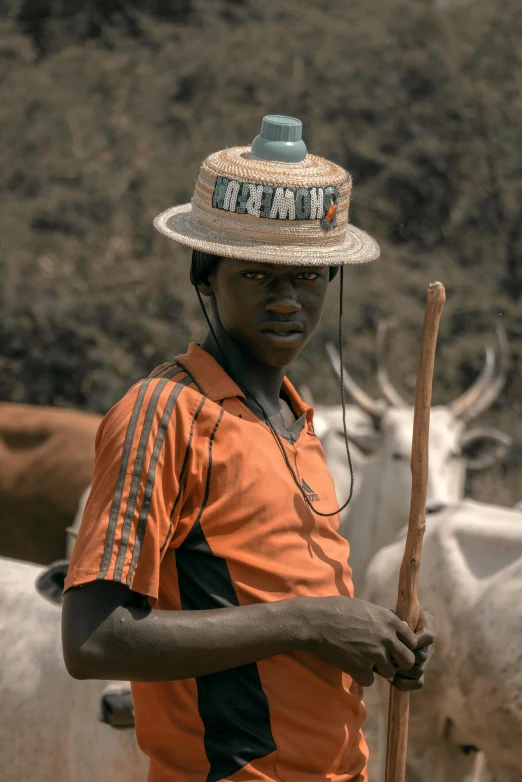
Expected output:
(267, 420)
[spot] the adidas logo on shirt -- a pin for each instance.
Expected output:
(310, 493)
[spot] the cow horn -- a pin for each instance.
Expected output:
(486, 389)
(389, 392)
(495, 387)
(374, 407)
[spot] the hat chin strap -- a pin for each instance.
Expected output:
(221, 328)
(267, 420)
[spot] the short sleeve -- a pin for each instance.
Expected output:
(133, 505)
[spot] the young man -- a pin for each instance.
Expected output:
(208, 568)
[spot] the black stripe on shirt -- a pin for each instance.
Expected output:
(137, 470)
(182, 471)
(124, 462)
(151, 476)
(192, 376)
(232, 704)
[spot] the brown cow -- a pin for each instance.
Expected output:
(46, 462)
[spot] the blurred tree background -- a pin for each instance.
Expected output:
(108, 107)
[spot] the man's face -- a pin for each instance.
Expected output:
(270, 311)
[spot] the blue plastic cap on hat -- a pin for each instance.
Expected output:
(280, 140)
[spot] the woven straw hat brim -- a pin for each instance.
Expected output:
(178, 224)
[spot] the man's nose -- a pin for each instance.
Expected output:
(283, 298)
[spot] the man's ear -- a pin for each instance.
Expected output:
(205, 288)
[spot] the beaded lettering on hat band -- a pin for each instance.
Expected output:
(329, 221)
(276, 203)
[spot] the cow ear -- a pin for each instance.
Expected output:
(483, 446)
(50, 582)
(367, 439)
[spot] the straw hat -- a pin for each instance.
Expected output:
(271, 202)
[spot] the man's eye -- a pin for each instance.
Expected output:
(255, 275)
(308, 276)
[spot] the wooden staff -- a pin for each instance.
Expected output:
(407, 602)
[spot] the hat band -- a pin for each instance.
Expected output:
(274, 203)
(253, 213)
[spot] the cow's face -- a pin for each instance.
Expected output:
(447, 467)
(452, 451)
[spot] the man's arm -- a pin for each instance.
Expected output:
(108, 633)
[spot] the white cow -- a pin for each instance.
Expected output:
(51, 725)
(328, 426)
(381, 505)
(471, 581)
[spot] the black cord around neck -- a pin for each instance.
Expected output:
(267, 420)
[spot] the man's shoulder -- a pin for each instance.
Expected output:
(155, 397)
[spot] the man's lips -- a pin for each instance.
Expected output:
(282, 328)
(283, 335)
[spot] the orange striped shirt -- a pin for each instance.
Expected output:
(192, 505)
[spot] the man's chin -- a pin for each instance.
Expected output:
(279, 358)
(273, 351)
(280, 349)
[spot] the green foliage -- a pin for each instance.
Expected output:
(103, 127)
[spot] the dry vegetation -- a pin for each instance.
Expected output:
(106, 113)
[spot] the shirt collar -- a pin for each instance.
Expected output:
(208, 374)
(296, 403)
(217, 385)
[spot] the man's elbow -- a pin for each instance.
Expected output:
(93, 632)
(84, 652)
(80, 661)
(77, 663)
(76, 670)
